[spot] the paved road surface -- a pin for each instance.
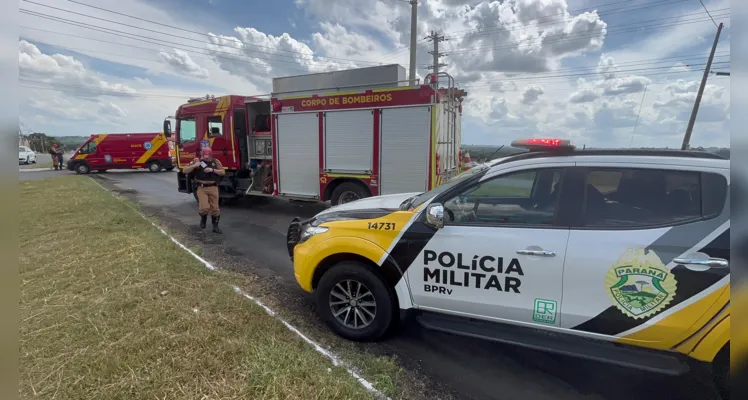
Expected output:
(472, 369)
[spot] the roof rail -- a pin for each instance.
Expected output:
(617, 152)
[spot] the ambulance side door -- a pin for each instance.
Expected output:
(500, 255)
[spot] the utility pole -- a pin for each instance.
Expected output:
(436, 38)
(413, 46)
(692, 121)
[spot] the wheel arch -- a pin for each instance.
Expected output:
(713, 342)
(388, 271)
(333, 184)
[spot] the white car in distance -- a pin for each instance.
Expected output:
(26, 155)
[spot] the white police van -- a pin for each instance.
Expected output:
(620, 256)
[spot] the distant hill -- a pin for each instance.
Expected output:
(71, 142)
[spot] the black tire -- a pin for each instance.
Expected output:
(154, 166)
(170, 169)
(347, 192)
(721, 372)
(384, 297)
(82, 168)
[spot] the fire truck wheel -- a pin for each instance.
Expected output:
(154, 166)
(347, 192)
(355, 302)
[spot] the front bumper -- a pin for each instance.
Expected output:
(293, 236)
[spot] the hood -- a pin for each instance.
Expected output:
(388, 203)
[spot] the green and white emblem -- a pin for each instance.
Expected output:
(639, 284)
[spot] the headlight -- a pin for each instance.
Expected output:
(311, 231)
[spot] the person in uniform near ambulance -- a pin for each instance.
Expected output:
(208, 171)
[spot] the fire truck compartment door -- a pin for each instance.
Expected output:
(405, 136)
(298, 154)
(349, 141)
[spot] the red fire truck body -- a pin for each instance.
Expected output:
(338, 146)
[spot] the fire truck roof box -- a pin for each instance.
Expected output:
(347, 80)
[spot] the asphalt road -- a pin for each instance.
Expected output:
(456, 367)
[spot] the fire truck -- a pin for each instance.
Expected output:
(326, 144)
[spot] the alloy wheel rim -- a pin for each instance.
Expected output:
(353, 304)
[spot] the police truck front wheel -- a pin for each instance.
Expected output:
(354, 301)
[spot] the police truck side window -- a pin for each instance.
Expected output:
(641, 197)
(215, 127)
(187, 131)
(527, 198)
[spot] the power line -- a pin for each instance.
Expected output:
(190, 31)
(593, 69)
(707, 12)
(154, 50)
(534, 79)
(156, 41)
(106, 30)
(42, 85)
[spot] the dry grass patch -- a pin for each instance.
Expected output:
(111, 309)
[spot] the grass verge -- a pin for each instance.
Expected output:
(35, 166)
(111, 309)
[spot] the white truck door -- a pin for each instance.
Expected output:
(500, 255)
(405, 146)
(298, 154)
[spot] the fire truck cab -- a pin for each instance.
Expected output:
(338, 145)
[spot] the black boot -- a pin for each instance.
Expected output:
(203, 221)
(215, 219)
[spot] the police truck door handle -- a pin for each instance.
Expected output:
(542, 253)
(710, 262)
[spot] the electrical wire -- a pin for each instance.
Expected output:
(707, 12)
(281, 68)
(297, 53)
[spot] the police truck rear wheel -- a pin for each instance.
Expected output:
(154, 166)
(347, 192)
(355, 302)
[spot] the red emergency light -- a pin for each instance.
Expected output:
(543, 144)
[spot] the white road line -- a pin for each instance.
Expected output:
(332, 357)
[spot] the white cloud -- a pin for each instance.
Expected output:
(183, 63)
(531, 67)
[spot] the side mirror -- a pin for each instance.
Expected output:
(167, 128)
(435, 216)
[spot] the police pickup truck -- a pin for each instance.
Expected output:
(620, 256)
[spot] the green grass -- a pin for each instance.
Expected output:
(112, 309)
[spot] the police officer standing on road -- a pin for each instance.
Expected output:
(208, 171)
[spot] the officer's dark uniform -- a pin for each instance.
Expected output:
(207, 190)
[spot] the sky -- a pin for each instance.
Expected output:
(602, 73)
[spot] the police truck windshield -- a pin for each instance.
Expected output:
(425, 196)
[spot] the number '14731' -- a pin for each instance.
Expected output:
(383, 226)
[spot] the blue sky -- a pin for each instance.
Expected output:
(584, 70)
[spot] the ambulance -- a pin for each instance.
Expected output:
(102, 152)
(619, 256)
(334, 144)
